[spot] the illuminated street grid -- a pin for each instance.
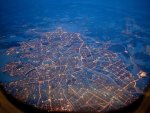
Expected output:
(62, 71)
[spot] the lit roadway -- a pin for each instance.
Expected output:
(67, 72)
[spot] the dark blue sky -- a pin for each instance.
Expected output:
(13, 12)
